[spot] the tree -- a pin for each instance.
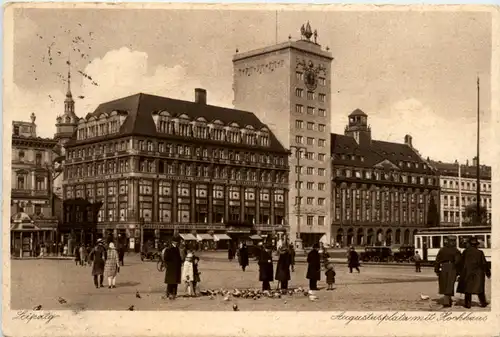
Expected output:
(432, 213)
(473, 218)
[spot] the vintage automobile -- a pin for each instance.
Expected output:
(404, 253)
(377, 254)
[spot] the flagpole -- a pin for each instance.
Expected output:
(478, 181)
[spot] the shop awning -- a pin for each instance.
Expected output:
(204, 236)
(255, 237)
(220, 237)
(188, 237)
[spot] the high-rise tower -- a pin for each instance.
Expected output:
(288, 86)
(68, 121)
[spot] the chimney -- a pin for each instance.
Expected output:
(467, 162)
(200, 96)
(474, 161)
(408, 140)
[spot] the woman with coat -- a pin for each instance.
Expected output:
(98, 255)
(473, 274)
(283, 268)
(173, 266)
(266, 268)
(243, 256)
(446, 266)
(111, 267)
(291, 250)
(314, 267)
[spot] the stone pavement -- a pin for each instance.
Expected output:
(41, 282)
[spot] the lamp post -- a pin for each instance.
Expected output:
(298, 154)
(478, 180)
(141, 225)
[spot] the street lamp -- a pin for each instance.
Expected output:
(298, 154)
(141, 224)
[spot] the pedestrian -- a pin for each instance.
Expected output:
(196, 273)
(83, 256)
(283, 268)
(65, 250)
(243, 256)
(353, 260)
(121, 250)
(473, 272)
(112, 265)
(88, 249)
(230, 253)
(418, 262)
(78, 257)
(313, 267)
(98, 255)
(266, 267)
(188, 274)
(173, 266)
(446, 265)
(330, 276)
(291, 250)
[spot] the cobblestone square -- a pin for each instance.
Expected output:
(41, 282)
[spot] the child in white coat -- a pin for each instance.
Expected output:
(188, 274)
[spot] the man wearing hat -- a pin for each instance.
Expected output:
(266, 267)
(472, 274)
(314, 267)
(446, 266)
(98, 255)
(173, 267)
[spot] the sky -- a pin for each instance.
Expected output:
(412, 72)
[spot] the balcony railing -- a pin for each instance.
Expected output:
(29, 192)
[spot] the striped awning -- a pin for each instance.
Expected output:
(219, 237)
(204, 236)
(188, 237)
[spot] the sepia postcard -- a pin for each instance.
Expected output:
(250, 170)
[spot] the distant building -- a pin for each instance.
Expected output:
(169, 166)
(288, 86)
(452, 185)
(32, 217)
(382, 192)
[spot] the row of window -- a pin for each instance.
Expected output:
(299, 76)
(21, 156)
(450, 216)
(22, 182)
(310, 220)
(310, 201)
(299, 124)
(311, 95)
(389, 215)
(311, 155)
(455, 201)
(101, 129)
(310, 185)
(310, 170)
(387, 176)
(466, 185)
(311, 111)
(310, 141)
(394, 196)
(401, 163)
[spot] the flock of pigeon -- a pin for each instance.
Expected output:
(80, 47)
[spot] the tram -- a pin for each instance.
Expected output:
(430, 240)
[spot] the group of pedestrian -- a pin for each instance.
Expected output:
(105, 261)
(81, 254)
(470, 267)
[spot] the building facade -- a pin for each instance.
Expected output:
(167, 165)
(288, 86)
(456, 184)
(382, 192)
(32, 216)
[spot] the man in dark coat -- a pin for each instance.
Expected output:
(291, 250)
(283, 268)
(314, 267)
(266, 268)
(121, 249)
(474, 269)
(446, 266)
(99, 256)
(243, 256)
(353, 260)
(173, 267)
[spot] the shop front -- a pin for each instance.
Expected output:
(31, 238)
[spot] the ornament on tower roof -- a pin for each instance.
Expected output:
(306, 31)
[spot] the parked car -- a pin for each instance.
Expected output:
(151, 254)
(404, 253)
(376, 254)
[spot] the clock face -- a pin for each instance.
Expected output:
(311, 79)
